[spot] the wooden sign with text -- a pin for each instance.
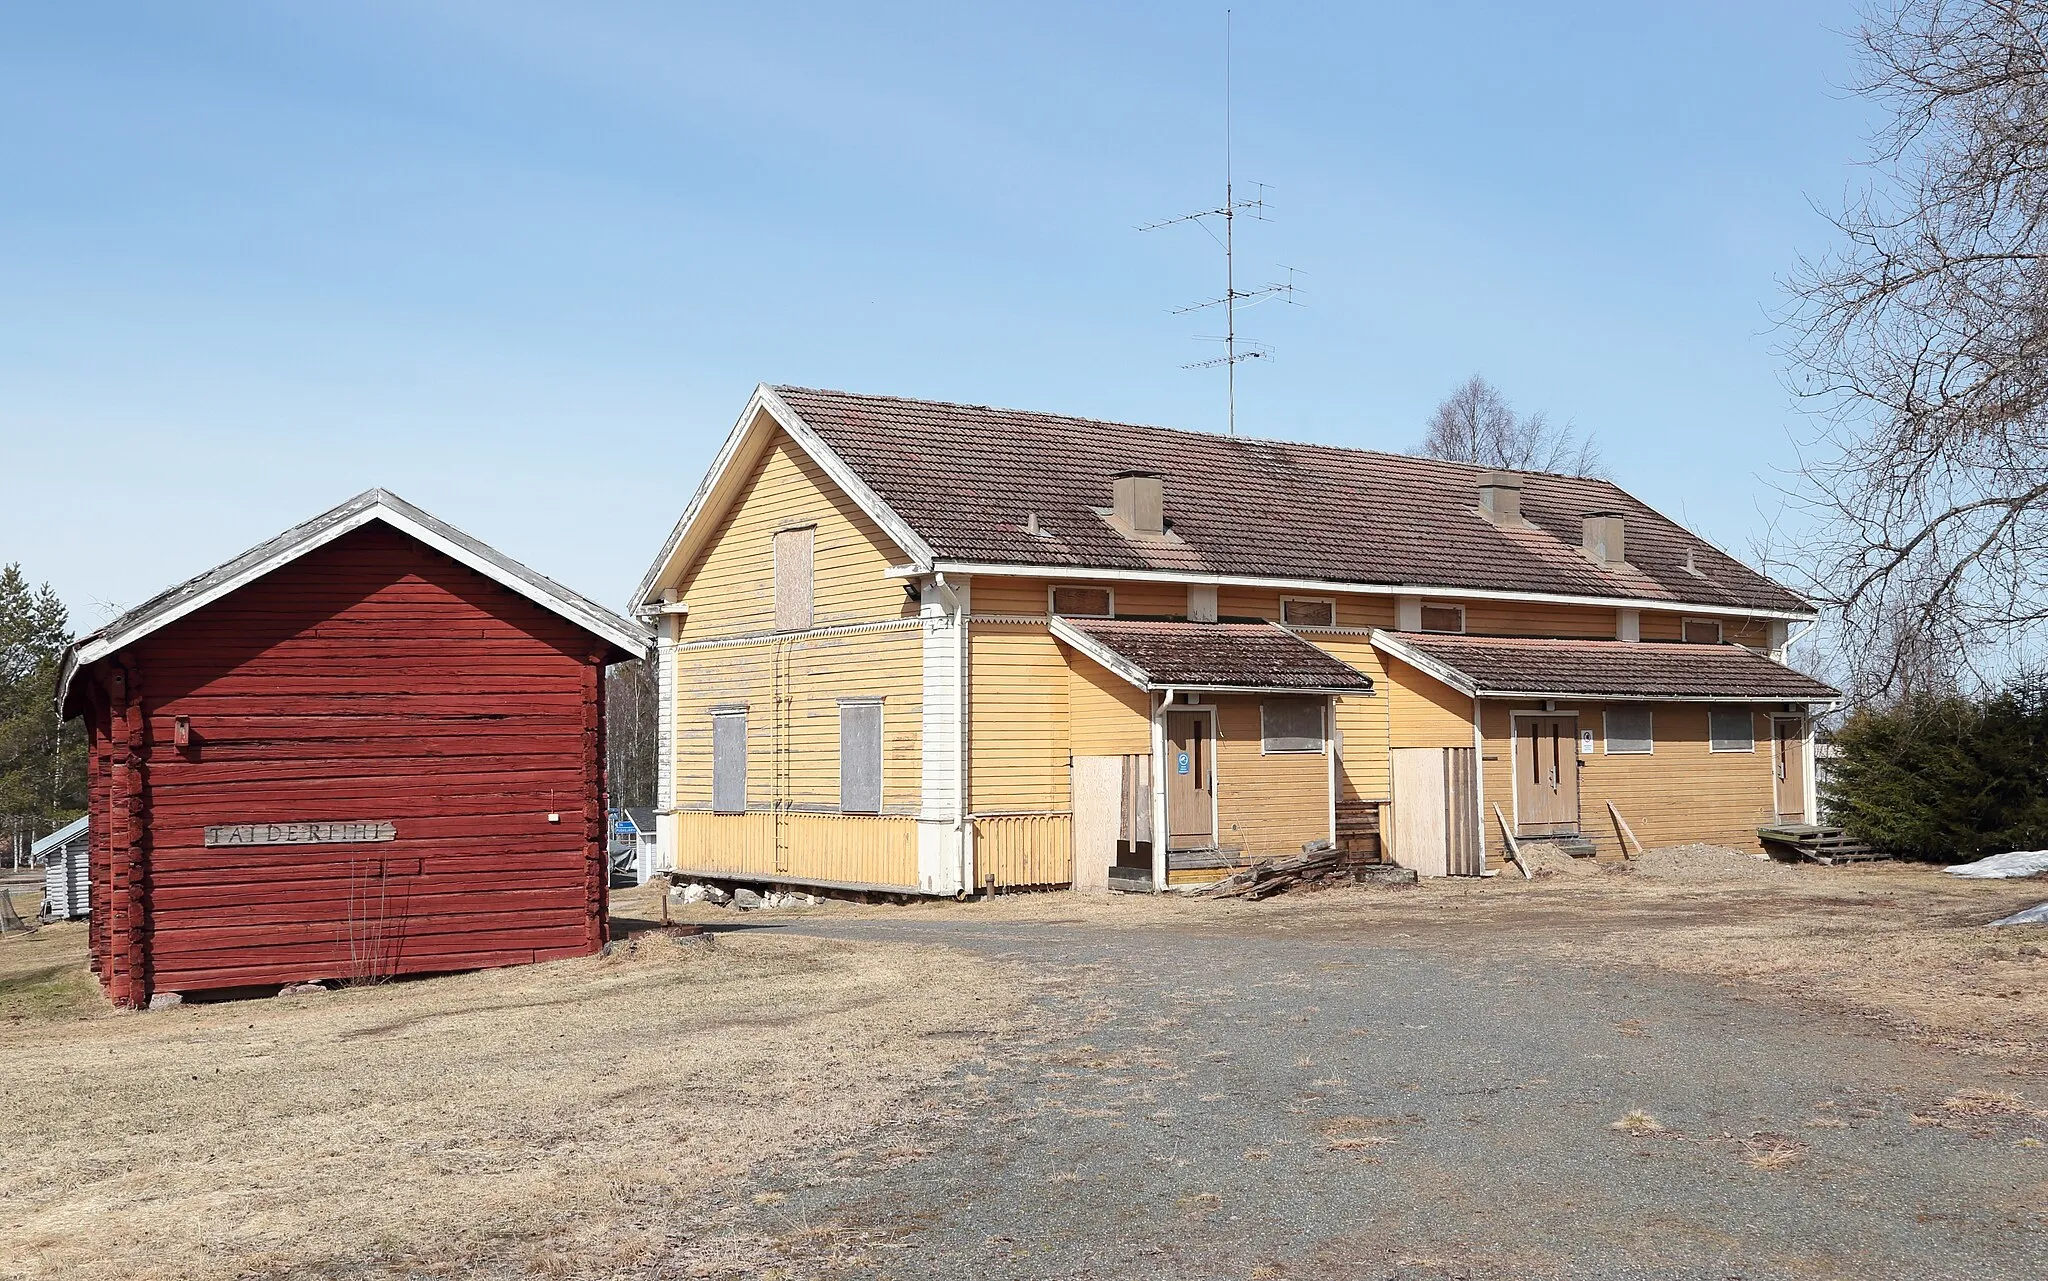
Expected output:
(300, 833)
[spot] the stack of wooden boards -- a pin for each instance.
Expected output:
(1319, 866)
(1824, 845)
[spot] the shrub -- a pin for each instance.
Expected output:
(1948, 779)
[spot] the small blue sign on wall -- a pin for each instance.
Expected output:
(1181, 764)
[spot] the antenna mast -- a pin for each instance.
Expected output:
(1232, 295)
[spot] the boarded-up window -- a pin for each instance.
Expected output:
(1308, 611)
(729, 761)
(1081, 602)
(1443, 618)
(1702, 631)
(1291, 725)
(1732, 729)
(860, 757)
(793, 579)
(1628, 731)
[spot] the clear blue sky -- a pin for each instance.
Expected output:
(523, 263)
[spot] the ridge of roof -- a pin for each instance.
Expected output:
(176, 602)
(1082, 420)
(965, 476)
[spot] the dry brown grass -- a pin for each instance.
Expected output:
(553, 1120)
(1637, 1122)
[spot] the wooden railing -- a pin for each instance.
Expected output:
(1024, 849)
(825, 849)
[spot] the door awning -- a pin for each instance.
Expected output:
(1256, 657)
(1665, 671)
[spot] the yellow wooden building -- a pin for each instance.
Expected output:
(929, 648)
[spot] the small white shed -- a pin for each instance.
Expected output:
(67, 873)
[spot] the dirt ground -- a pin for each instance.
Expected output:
(551, 1120)
(586, 1118)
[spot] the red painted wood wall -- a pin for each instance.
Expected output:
(373, 679)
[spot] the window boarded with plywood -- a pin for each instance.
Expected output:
(860, 756)
(729, 762)
(794, 582)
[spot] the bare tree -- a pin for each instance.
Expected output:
(1922, 342)
(1475, 424)
(631, 712)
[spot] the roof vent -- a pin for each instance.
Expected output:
(1032, 527)
(1500, 497)
(1604, 540)
(1140, 506)
(1692, 566)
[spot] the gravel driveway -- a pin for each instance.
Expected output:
(1197, 1104)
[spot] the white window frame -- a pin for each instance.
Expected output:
(1731, 751)
(1607, 739)
(1053, 589)
(1428, 605)
(1322, 716)
(1720, 632)
(1331, 601)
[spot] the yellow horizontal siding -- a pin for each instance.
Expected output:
(1362, 722)
(851, 849)
(1424, 711)
(816, 672)
(730, 590)
(1516, 618)
(1025, 849)
(1017, 718)
(1267, 805)
(1680, 793)
(1109, 715)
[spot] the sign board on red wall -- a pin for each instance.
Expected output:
(361, 833)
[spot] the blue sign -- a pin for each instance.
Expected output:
(623, 826)
(1181, 764)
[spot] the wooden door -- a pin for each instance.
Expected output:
(1419, 839)
(1546, 775)
(1190, 781)
(1788, 762)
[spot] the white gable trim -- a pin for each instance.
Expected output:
(1423, 663)
(710, 500)
(353, 515)
(1101, 654)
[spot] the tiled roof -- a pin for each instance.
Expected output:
(967, 477)
(1645, 669)
(1262, 656)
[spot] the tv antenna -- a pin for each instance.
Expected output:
(1235, 350)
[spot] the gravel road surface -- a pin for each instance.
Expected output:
(1195, 1104)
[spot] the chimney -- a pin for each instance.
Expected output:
(1140, 503)
(1500, 497)
(1604, 539)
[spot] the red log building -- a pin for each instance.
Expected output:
(371, 746)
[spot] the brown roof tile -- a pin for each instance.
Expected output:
(965, 477)
(1628, 669)
(1261, 656)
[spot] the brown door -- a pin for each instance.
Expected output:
(1547, 775)
(1788, 762)
(1190, 769)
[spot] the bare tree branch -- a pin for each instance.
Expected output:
(1921, 341)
